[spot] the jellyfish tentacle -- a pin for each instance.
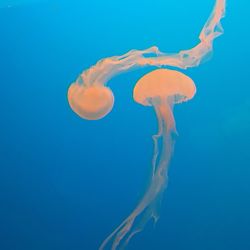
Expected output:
(168, 130)
(109, 238)
(148, 213)
(147, 207)
(109, 67)
(129, 228)
(155, 140)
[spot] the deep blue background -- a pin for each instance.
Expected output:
(66, 183)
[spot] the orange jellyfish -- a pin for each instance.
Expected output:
(91, 103)
(162, 89)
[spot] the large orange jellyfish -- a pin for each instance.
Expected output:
(91, 99)
(161, 88)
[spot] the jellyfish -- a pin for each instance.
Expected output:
(161, 89)
(90, 98)
(90, 103)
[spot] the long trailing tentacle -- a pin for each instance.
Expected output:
(148, 206)
(107, 68)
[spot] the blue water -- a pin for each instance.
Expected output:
(66, 183)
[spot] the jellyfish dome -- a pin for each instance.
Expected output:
(90, 102)
(170, 85)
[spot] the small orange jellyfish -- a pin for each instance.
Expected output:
(161, 88)
(90, 102)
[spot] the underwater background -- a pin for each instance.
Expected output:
(66, 183)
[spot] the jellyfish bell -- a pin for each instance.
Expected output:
(162, 88)
(167, 84)
(90, 102)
